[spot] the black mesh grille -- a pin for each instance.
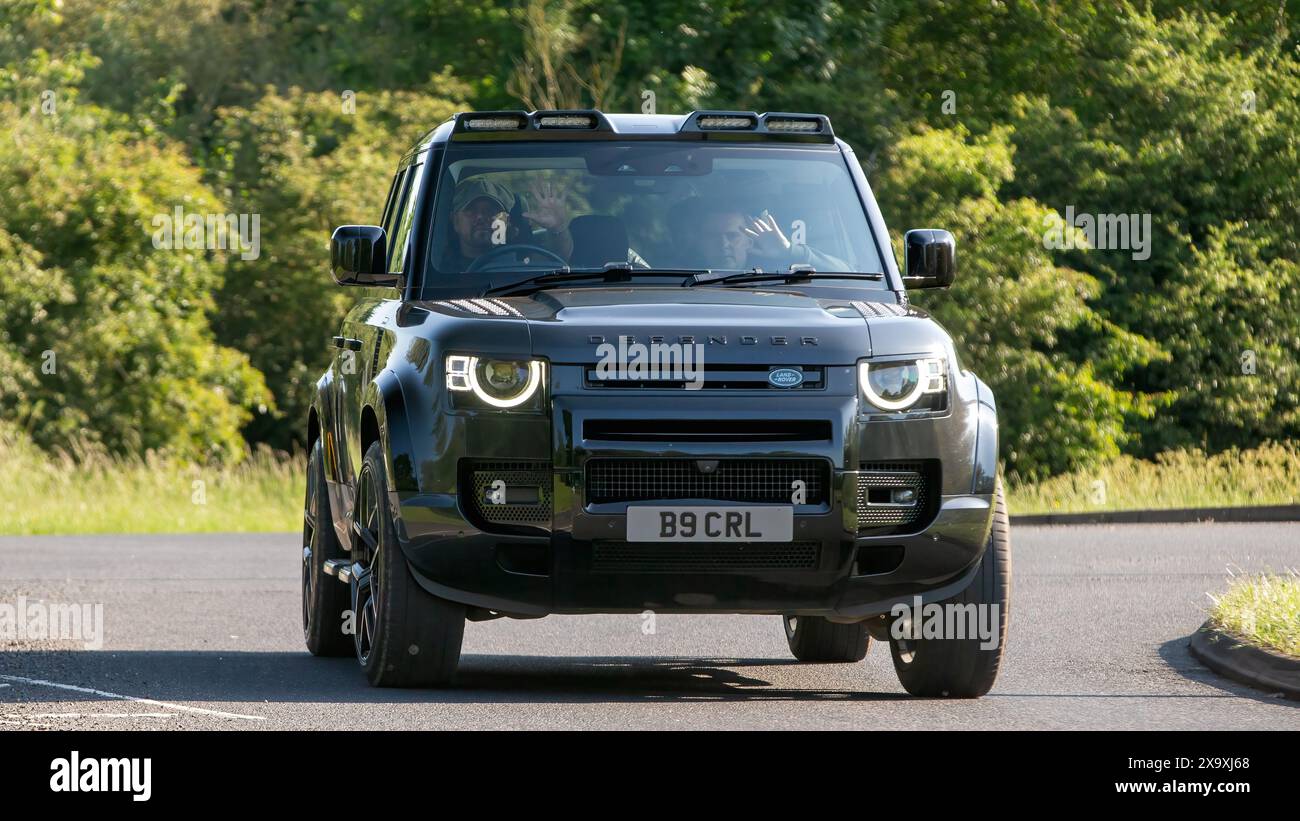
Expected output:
(876, 511)
(527, 500)
(726, 480)
(670, 557)
(715, 378)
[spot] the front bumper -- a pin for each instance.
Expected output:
(560, 566)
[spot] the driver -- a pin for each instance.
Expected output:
(485, 215)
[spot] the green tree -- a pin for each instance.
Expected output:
(106, 337)
(1014, 306)
(305, 162)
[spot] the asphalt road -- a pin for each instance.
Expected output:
(203, 632)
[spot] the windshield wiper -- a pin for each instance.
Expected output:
(612, 272)
(797, 273)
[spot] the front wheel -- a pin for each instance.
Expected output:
(965, 666)
(404, 636)
(815, 639)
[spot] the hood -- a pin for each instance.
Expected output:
(732, 325)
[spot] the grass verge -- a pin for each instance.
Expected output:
(1268, 475)
(94, 493)
(1263, 610)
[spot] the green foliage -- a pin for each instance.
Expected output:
(305, 165)
(1177, 121)
(104, 335)
(1014, 305)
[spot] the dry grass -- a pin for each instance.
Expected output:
(1268, 475)
(90, 492)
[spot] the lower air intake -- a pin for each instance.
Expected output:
(506, 494)
(896, 497)
(668, 557)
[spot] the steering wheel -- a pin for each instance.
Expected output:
(519, 250)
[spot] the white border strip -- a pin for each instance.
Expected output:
(138, 700)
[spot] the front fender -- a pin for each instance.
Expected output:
(323, 409)
(385, 398)
(986, 442)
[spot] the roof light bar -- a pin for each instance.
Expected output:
(529, 125)
(583, 124)
(726, 122)
(793, 125)
(566, 120)
(494, 122)
(749, 126)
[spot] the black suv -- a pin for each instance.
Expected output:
(614, 363)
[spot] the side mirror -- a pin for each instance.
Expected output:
(357, 256)
(928, 258)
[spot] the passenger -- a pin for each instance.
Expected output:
(723, 236)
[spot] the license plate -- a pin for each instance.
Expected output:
(710, 524)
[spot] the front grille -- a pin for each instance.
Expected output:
(709, 377)
(769, 481)
(708, 430)
(526, 497)
(682, 557)
(877, 481)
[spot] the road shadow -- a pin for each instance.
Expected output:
(1176, 654)
(280, 677)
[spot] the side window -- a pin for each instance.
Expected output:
(390, 205)
(402, 218)
(392, 210)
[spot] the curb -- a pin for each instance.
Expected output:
(1181, 515)
(1256, 666)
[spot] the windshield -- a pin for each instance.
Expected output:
(506, 212)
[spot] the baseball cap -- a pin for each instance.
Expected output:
(477, 187)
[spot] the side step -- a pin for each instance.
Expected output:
(342, 569)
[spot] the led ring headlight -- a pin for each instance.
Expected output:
(898, 385)
(501, 383)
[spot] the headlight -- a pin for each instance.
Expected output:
(901, 384)
(502, 383)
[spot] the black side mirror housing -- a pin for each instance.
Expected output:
(358, 256)
(929, 258)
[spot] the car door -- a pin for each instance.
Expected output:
(355, 347)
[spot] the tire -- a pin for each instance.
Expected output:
(404, 637)
(814, 639)
(960, 668)
(325, 600)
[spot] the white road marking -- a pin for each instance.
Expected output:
(137, 699)
(27, 724)
(90, 715)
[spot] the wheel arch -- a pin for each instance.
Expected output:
(986, 442)
(384, 420)
(320, 423)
